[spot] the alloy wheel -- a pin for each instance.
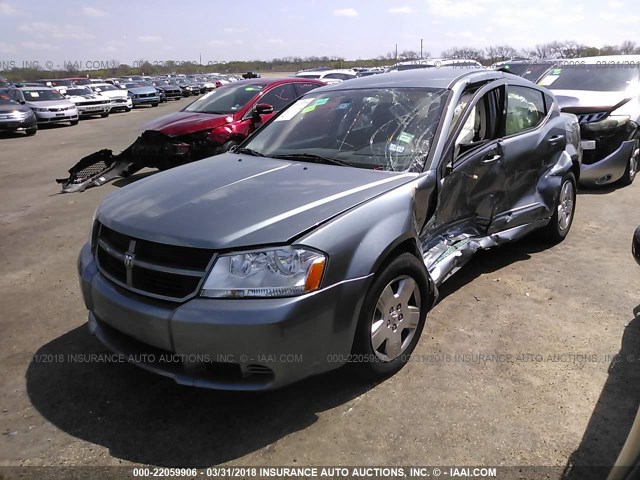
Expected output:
(565, 205)
(395, 318)
(633, 163)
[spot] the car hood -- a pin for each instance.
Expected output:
(585, 100)
(51, 104)
(14, 108)
(114, 94)
(183, 123)
(231, 201)
(138, 90)
(86, 98)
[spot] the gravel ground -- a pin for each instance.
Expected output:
(514, 367)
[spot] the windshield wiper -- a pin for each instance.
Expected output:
(248, 151)
(310, 157)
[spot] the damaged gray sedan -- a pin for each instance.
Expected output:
(322, 240)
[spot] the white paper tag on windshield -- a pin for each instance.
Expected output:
(35, 94)
(294, 109)
(548, 80)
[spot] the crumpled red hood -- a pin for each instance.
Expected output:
(183, 123)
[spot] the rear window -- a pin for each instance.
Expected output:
(600, 78)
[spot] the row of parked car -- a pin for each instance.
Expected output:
(331, 75)
(25, 105)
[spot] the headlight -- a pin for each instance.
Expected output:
(40, 109)
(609, 123)
(281, 272)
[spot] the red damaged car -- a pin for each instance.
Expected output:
(212, 124)
(227, 115)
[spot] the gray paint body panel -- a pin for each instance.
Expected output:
(356, 217)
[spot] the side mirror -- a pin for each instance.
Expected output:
(261, 109)
(264, 109)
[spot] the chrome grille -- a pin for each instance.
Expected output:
(166, 272)
(95, 102)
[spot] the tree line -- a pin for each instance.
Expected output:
(486, 56)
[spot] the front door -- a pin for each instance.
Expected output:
(473, 183)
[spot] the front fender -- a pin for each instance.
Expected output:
(360, 240)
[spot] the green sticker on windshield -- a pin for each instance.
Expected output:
(405, 137)
(321, 101)
(250, 89)
(556, 71)
(308, 109)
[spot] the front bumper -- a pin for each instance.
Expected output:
(145, 100)
(56, 117)
(121, 104)
(94, 109)
(17, 124)
(249, 344)
(610, 168)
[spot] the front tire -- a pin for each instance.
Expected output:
(562, 218)
(154, 104)
(632, 167)
(104, 115)
(31, 131)
(228, 145)
(74, 122)
(392, 317)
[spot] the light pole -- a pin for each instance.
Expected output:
(421, 48)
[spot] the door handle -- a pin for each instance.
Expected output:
(491, 158)
(555, 139)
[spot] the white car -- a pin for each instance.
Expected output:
(328, 76)
(87, 101)
(604, 92)
(120, 101)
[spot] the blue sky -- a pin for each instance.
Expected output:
(102, 30)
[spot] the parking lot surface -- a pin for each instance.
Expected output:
(517, 364)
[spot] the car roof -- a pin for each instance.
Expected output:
(267, 82)
(326, 71)
(37, 88)
(444, 77)
(437, 62)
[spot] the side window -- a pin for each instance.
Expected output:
(336, 76)
(279, 97)
(525, 109)
(477, 127)
(302, 88)
(15, 95)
